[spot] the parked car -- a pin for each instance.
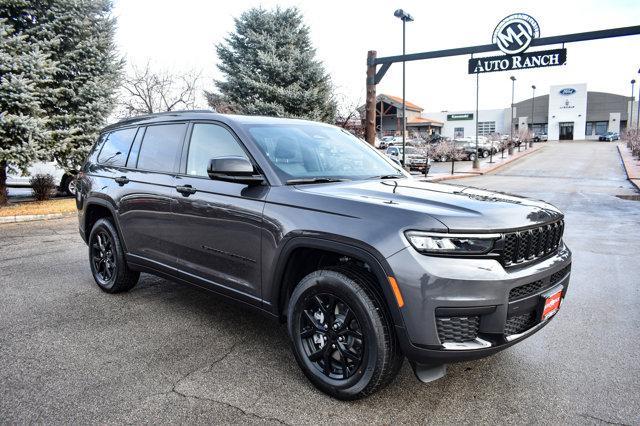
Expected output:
(609, 137)
(467, 149)
(540, 137)
(313, 227)
(413, 158)
(485, 146)
(65, 181)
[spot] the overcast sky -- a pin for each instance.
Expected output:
(181, 35)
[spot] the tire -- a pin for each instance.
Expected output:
(472, 157)
(342, 297)
(485, 153)
(106, 259)
(69, 185)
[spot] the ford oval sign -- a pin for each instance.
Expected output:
(567, 91)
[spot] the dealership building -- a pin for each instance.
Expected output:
(568, 112)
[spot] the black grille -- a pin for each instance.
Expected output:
(457, 329)
(530, 244)
(525, 290)
(560, 274)
(520, 323)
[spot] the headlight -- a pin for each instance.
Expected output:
(427, 242)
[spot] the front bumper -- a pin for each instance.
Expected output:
(461, 309)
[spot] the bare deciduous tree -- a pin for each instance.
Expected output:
(146, 91)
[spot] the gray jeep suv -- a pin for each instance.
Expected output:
(313, 227)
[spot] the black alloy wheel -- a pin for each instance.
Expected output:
(342, 336)
(103, 257)
(106, 258)
(331, 336)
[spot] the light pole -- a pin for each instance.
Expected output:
(513, 88)
(630, 120)
(638, 113)
(533, 101)
(405, 17)
(476, 161)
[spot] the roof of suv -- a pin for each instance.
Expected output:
(203, 115)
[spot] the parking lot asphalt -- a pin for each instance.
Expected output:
(169, 353)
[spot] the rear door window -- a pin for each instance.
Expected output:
(116, 147)
(161, 147)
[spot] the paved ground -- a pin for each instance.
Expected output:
(170, 353)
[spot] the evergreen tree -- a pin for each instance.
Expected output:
(270, 68)
(24, 71)
(79, 38)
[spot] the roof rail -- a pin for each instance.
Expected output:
(159, 114)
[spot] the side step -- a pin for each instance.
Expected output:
(429, 372)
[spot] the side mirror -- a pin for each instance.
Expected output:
(233, 169)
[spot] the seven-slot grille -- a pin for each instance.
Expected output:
(457, 329)
(523, 246)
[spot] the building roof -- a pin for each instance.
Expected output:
(424, 121)
(397, 102)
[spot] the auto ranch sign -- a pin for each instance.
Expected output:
(513, 36)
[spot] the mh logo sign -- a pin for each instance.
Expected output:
(515, 33)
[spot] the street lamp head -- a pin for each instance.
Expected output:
(403, 15)
(512, 78)
(633, 81)
(533, 87)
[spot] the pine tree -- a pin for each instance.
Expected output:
(24, 71)
(270, 68)
(79, 38)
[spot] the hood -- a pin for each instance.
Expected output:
(459, 208)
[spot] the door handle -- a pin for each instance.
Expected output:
(122, 180)
(186, 190)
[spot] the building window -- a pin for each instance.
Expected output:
(601, 127)
(458, 132)
(589, 130)
(539, 129)
(485, 128)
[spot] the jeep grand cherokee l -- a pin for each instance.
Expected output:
(315, 228)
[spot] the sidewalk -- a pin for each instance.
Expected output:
(631, 165)
(465, 168)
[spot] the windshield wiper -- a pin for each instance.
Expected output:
(313, 180)
(388, 176)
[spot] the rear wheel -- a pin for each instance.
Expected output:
(485, 153)
(472, 157)
(106, 257)
(68, 186)
(342, 340)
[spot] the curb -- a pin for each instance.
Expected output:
(628, 167)
(487, 170)
(32, 217)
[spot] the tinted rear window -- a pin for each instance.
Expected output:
(161, 147)
(116, 147)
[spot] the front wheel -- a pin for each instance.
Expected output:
(342, 339)
(472, 157)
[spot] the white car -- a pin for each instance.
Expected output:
(65, 182)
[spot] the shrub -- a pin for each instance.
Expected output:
(42, 185)
(632, 138)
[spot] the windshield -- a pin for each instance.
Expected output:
(307, 151)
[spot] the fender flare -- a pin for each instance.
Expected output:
(358, 250)
(109, 205)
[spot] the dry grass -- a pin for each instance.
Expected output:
(57, 205)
